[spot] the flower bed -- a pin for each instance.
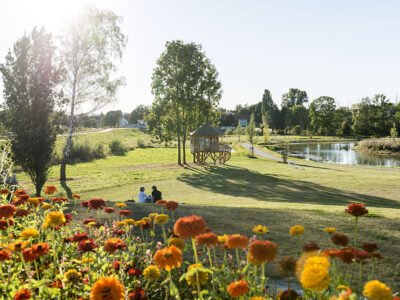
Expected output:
(45, 254)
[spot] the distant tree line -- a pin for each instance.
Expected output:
(373, 116)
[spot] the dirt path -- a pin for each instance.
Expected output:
(268, 155)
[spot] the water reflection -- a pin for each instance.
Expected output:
(341, 153)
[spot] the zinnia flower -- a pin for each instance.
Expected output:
(377, 255)
(23, 294)
(54, 219)
(376, 290)
(5, 255)
(87, 221)
(222, 238)
(85, 203)
(310, 247)
(40, 249)
(289, 295)
(59, 199)
(340, 239)
(152, 215)
(370, 247)
(76, 196)
(86, 246)
(260, 230)
(168, 258)
(236, 241)
(6, 223)
(29, 232)
(5, 192)
(330, 229)
(77, 237)
(238, 288)
(72, 276)
(146, 225)
(107, 288)
(96, 204)
(302, 261)
(203, 276)
(7, 211)
(161, 219)
(46, 206)
(21, 213)
(119, 232)
(189, 227)
(356, 209)
(109, 210)
(28, 255)
(114, 244)
(297, 230)
(161, 202)
(177, 242)
(210, 239)
(346, 255)
(130, 222)
(171, 205)
(50, 190)
(315, 277)
(125, 212)
(261, 251)
(138, 294)
(152, 272)
(286, 266)
(120, 204)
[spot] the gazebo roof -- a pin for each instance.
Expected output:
(206, 130)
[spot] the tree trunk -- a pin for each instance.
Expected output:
(38, 190)
(179, 150)
(64, 161)
(184, 149)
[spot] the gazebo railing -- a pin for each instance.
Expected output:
(210, 148)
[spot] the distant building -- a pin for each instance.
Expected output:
(123, 122)
(243, 119)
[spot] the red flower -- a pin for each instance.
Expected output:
(97, 204)
(23, 294)
(360, 255)
(146, 225)
(356, 209)
(68, 218)
(79, 237)
(310, 247)
(289, 295)
(346, 255)
(7, 211)
(210, 239)
(116, 265)
(4, 192)
(370, 247)
(86, 246)
(118, 232)
(87, 221)
(125, 212)
(109, 210)
(135, 272)
(59, 199)
(4, 224)
(28, 255)
(189, 227)
(67, 240)
(138, 294)
(161, 202)
(377, 255)
(19, 192)
(114, 244)
(76, 196)
(85, 203)
(50, 190)
(332, 252)
(5, 255)
(171, 205)
(340, 239)
(21, 213)
(40, 249)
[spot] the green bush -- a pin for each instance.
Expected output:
(296, 130)
(140, 143)
(84, 152)
(229, 132)
(116, 147)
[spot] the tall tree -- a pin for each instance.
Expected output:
(186, 90)
(322, 115)
(269, 110)
(138, 113)
(251, 133)
(294, 97)
(31, 77)
(112, 117)
(89, 48)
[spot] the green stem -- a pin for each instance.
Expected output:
(209, 256)
(197, 262)
(355, 233)
(237, 257)
(262, 278)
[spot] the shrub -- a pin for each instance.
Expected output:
(383, 144)
(296, 130)
(140, 143)
(84, 152)
(229, 132)
(116, 147)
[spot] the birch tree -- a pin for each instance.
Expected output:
(89, 48)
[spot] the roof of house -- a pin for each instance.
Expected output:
(206, 130)
(243, 117)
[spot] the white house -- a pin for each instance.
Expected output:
(123, 122)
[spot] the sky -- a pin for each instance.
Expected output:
(346, 49)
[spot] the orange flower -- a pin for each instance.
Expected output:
(189, 227)
(168, 258)
(7, 211)
(113, 245)
(209, 239)
(262, 251)
(356, 209)
(96, 204)
(161, 202)
(28, 255)
(50, 190)
(238, 288)
(76, 196)
(236, 241)
(5, 255)
(23, 294)
(40, 249)
(107, 288)
(171, 205)
(4, 192)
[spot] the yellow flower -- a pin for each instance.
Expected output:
(301, 262)
(330, 229)
(138, 223)
(87, 260)
(121, 224)
(120, 204)
(91, 224)
(29, 232)
(152, 215)
(46, 206)
(342, 287)
(130, 222)
(33, 200)
(146, 219)
(161, 219)
(203, 276)
(318, 260)
(54, 219)
(297, 230)
(107, 288)
(257, 298)
(259, 229)
(177, 242)
(222, 238)
(376, 290)
(315, 277)
(72, 275)
(152, 272)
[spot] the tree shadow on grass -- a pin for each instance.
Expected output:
(66, 188)
(242, 182)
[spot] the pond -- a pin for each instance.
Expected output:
(340, 153)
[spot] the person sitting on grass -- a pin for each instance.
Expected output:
(143, 198)
(156, 194)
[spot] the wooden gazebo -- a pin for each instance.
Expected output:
(206, 142)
